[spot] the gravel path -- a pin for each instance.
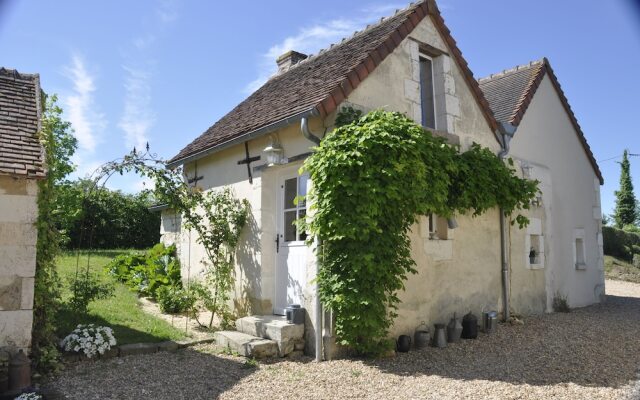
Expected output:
(590, 353)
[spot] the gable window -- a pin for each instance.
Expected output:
(427, 92)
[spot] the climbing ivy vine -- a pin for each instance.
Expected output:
(59, 145)
(371, 179)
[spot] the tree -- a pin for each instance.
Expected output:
(625, 211)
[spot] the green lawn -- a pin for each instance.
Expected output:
(121, 312)
(615, 268)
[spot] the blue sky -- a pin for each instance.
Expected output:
(128, 72)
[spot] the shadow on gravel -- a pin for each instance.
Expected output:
(185, 374)
(597, 345)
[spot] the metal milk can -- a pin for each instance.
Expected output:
(19, 371)
(422, 337)
(440, 336)
(469, 326)
(454, 329)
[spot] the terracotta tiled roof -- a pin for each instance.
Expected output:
(20, 151)
(320, 83)
(510, 92)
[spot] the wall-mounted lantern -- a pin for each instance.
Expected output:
(274, 153)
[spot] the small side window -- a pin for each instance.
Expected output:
(438, 228)
(579, 251)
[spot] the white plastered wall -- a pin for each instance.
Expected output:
(547, 139)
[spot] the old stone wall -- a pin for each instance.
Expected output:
(18, 234)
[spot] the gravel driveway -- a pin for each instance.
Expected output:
(590, 353)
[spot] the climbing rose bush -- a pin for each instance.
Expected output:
(89, 339)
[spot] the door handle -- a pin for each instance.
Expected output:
(277, 243)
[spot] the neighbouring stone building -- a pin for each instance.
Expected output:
(21, 166)
(409, 63)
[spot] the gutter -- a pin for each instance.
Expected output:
(506, 132)
(243, 138)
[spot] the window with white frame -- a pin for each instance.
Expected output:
(534, 245)
(427, 92)
(438, 227)
(579, 251)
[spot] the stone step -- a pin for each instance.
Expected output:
(247, 345)
(272, 327)
(289, 337)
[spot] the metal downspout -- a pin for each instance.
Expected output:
(319, 310)
(507, 131)
(304, 128)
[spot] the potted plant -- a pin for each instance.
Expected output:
(532, 256)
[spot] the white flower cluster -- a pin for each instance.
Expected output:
(29, 396)
(89, 339)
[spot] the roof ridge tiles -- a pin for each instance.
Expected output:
(359, 32)
(508, 71)
(13, 73)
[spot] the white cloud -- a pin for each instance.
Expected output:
(138, 118)
(80, 109)
(167, 11)
(311, 39)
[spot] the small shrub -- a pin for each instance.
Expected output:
(145, 273)
(620, 244)
(636, 260)
(121, 266)
(560, 303)
(250, 363)
(174, 300)
(89, 339)
(85, 289)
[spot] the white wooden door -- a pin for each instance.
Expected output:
(291, 250)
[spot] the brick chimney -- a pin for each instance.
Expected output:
(289, 59)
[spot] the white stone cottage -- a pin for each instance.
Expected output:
(21, 166)
(409, 63)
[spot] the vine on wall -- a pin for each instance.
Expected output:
(59, 145)
(371, 179)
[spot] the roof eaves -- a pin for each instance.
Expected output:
(175, 162)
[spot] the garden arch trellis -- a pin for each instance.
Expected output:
(216, 217)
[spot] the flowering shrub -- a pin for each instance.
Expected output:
(89, 339)
(29, 396)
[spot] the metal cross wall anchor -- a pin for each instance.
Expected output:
(248, 160)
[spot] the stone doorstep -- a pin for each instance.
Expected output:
(272, 327)
(246, 345)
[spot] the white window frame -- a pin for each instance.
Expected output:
(297, 208)
(438, 228)
(579, 234)
(534, 230)
(433, 89)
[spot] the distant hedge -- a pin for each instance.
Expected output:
(108, 219)
(619, 243)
